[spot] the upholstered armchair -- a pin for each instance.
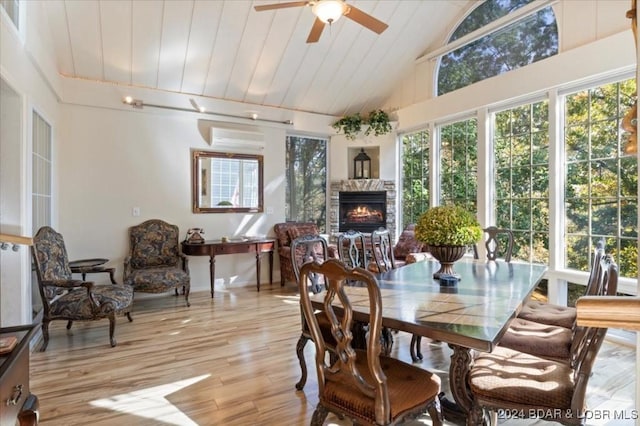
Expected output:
(286, 232)
(154, 263)
(64, 298)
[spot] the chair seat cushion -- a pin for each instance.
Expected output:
(409, 388)
(548, 313)
(548, 341)
(157, 280)
(76, 305)
(505, 375)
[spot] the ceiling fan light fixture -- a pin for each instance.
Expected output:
(329, 11)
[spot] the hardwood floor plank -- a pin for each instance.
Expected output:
(225, 361)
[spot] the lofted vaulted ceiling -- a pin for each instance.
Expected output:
(224, 49)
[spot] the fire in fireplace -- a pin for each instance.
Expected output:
(363, 211)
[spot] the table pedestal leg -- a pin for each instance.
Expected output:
(461, 361)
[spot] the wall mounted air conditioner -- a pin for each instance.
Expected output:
(236, 139)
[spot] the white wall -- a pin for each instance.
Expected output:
(114, 159)
(17, 69)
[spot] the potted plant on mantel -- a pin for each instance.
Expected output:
(447, 231)
(351, 125)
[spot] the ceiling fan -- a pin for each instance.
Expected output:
(328, 12)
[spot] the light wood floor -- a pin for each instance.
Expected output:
(224, 361)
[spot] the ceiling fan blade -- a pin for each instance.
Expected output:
(365, 20)
(280, 5)
(316, 31)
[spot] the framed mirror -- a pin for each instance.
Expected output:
(226, 182)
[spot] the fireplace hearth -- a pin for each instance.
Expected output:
(387, 187)
(363, 211)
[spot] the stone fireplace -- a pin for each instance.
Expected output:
(362, 205)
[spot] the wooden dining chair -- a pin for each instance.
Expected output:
(352, 250)
(381, 249)
(564, 316)
(499, 244)
(532, 386)
(553, 341)
(362, 385)
(308, 248)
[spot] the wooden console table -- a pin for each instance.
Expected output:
(19, 405)
(213, 248)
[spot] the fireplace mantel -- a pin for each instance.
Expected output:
(357, 185)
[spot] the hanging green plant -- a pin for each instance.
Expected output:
(349, 125)
(378, 121)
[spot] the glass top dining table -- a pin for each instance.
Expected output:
(471, 315)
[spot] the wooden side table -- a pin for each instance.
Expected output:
(92, 266)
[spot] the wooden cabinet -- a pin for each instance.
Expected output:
(19, 406)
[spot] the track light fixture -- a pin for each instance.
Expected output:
(139, 104)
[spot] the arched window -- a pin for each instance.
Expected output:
(526, 41)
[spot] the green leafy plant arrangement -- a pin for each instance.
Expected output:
(379, 124)
(448, 226)
(351, 125)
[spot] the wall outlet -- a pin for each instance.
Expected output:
(135, 212)
(269, 210)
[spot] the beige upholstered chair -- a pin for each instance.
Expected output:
(499, 244)
(531, 386)
(362, 384)
(154, 263)
(64, 298)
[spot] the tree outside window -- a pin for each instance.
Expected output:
(415, 175)
(601, 189)
(521, 153)
(306, 163)
(524, 42)
(459, 164)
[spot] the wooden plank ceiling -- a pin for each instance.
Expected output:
(224, 49)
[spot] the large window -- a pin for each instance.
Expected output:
(415, 175)
(526, 41)
(306, 163)
(521, 152)
(601, 181)
(459, 164)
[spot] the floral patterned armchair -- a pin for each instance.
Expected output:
(68, 299)
(154, 263)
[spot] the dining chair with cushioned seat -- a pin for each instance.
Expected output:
(362, 385)
(563, 316)
(155, 263)
(64, 298)
(532, 386)
(553, 341)
(499, 244)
